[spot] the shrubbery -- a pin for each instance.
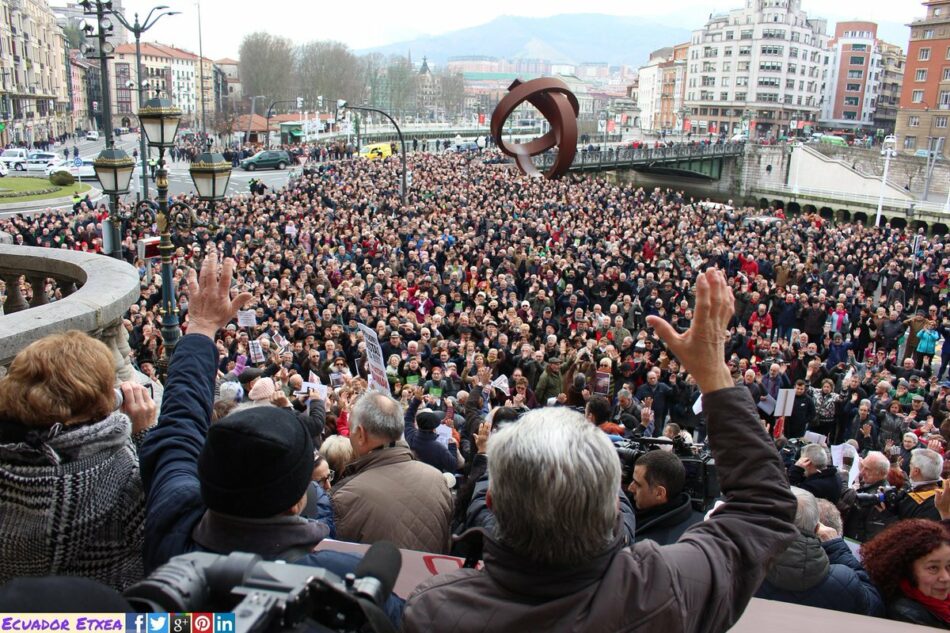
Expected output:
(62, 178)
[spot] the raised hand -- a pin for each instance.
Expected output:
(210, 305)
(701, 349)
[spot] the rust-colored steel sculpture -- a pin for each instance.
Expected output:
(558, 105)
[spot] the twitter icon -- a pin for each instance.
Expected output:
(157, 623)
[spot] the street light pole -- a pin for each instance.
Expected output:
(402, 144)
(137, 29)
(888, 151)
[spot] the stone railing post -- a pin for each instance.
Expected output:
(116, 338)
(38, 286)
(15, 301)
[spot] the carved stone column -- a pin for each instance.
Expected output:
(116, 337)
(15, 301)
(38, 285)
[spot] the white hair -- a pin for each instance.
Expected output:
(806, 515)
(379, 414)
(877, 461)
(929, 462)
(554, 484)
(816, 453)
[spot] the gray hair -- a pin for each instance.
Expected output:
(830, 516)
(816, 453)
(380, 415)
(806, 516)
(879, 462)
(929, 462)
(911, 435)
(624, 393)
(554, 484)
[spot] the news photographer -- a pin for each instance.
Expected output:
(556, 558)
(238, 485)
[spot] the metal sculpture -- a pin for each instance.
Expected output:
(558, 105)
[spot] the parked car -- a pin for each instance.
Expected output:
(39, 161)
(92, 135)
(267, 159)
(467, 146)
(86, 171)
(377, 150)
(741, 137)
(15, 158)
(923, 153)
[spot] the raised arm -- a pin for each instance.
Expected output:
(717, 565)
(169, 455)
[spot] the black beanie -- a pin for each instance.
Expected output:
(256, 463)
(429, 420)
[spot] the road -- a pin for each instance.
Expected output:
(179, 180)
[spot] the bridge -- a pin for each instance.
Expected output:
(692, 161)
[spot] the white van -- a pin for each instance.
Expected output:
(92, 135)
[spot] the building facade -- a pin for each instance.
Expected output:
(922, 122)
(82, 74)
(34, 99)
(760, 68)
(893, 61)
(855, 70)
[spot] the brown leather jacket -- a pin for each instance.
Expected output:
(388, 495)
(703, 582)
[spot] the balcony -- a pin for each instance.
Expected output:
(96, 292)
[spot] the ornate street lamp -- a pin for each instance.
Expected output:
(114, 170)
(160, 121)
(211, 173)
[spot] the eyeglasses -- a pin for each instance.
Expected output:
(328, 479)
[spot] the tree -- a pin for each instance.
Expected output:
(266, 65)
(400, 78)
(327, 69)
(451, 92)
(75, 36)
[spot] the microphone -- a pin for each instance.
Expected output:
(377, 571)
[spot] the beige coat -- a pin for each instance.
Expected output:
(388, 495)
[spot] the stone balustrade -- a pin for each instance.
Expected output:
(94, 294)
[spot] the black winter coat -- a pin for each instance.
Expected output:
(666, 523)
(823, 484)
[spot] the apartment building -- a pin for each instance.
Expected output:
(661, 90)
(34, 99)
(760, 68)
(922, 122)
(855, 73)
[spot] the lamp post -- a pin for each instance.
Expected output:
(342, 105)
(888, 151)
(111, 164)
(270, 113)
(137, 28)
(210, 174)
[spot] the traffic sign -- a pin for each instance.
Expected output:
(77, 162)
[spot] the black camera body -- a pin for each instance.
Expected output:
(269, 596)
(888, 495)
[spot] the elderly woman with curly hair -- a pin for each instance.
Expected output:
(910, 564)
(71, 498)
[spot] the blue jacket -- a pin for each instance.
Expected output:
(825, 575)
(426, 444)
(169, 458)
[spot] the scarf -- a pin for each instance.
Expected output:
(940, 608)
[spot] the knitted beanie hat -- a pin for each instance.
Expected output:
(256, 463)
(263, 389)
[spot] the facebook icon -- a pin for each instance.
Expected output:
(223, 623)
(134, 623)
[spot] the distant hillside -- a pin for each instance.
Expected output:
(573, 38)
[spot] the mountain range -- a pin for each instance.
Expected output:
(573, 38)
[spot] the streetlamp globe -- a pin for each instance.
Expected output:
(114, 168)
(160, 121)
(211, 173)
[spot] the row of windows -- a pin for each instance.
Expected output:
(938, 121)
(917, 96)
(921, 74)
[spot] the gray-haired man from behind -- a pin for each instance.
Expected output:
(557, 558)
(386, 494)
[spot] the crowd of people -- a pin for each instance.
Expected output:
(514, 315)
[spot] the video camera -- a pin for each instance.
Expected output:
(702, 482)
(268, 597)
(888, 495)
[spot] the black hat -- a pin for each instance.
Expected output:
(249, 374)
(256, 463)
(429, 420)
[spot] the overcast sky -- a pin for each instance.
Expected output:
(365, 24)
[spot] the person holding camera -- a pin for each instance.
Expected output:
(864, 519)
(557, 558)
(664, 509)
